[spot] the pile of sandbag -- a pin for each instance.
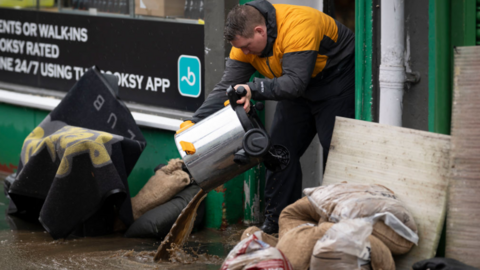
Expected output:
(393, 223)
(343, 226)
(158, 204)
(160, 188)
(350, 245)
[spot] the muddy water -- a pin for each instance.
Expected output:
(25, 245)
(180, 230)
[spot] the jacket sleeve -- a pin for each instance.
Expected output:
(297, 70)
(236, 72)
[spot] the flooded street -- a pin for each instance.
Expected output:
(26, 245)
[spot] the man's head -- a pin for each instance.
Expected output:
(246, 29)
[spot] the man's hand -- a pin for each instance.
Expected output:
(246, 99)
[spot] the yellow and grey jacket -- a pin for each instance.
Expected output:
(303, 46)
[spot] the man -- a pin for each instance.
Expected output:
(308, 61)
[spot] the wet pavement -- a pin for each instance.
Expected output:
(25, 245)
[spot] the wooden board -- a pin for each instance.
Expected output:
(463, 220)
(412, 163)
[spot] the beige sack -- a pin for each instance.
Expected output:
(297, 244)
(298, 213)
(173, 165)
(249, 231)
(380, 256)
(160, 188)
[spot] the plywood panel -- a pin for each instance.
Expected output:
(463, 220)
(412, 163)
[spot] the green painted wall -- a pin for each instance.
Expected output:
(15, 125)
(451, 23)
(160, 149)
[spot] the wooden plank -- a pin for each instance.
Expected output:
(412, 163)
(463, 229)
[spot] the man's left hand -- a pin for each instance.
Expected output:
(245, 100)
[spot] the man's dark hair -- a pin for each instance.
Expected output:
(242, 20)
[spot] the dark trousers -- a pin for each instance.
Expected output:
(294, 126)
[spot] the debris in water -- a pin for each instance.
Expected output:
(179, 255)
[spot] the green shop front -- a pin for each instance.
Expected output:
(156, 51)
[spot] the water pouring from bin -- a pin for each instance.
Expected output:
(228, 143)
(215, 150)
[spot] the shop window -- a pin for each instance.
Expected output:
(185, 11)
(26, 4)
(345, 13)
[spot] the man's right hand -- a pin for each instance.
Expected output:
(245, 100)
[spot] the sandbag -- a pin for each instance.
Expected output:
(252, 253)
(394, 242)
(325, 198)
(336, 261)
(297, 244)
(160, 188)
(349, 237)
(157, 222)
(298, 213)
(346, 201)
(380, 256)
(365, 205)
(269, 239)
(173, 165)
(380, 259)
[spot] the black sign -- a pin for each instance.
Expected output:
(157, 63)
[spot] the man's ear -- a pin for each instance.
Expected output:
(261, 30)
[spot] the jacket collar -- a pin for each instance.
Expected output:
(269, 13)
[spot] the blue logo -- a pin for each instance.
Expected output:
(189, 76)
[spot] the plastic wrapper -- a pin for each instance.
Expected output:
(326, 198)
(398, 226)
(252, 253)
(266, 238)
(348, 201)
(344, 246)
